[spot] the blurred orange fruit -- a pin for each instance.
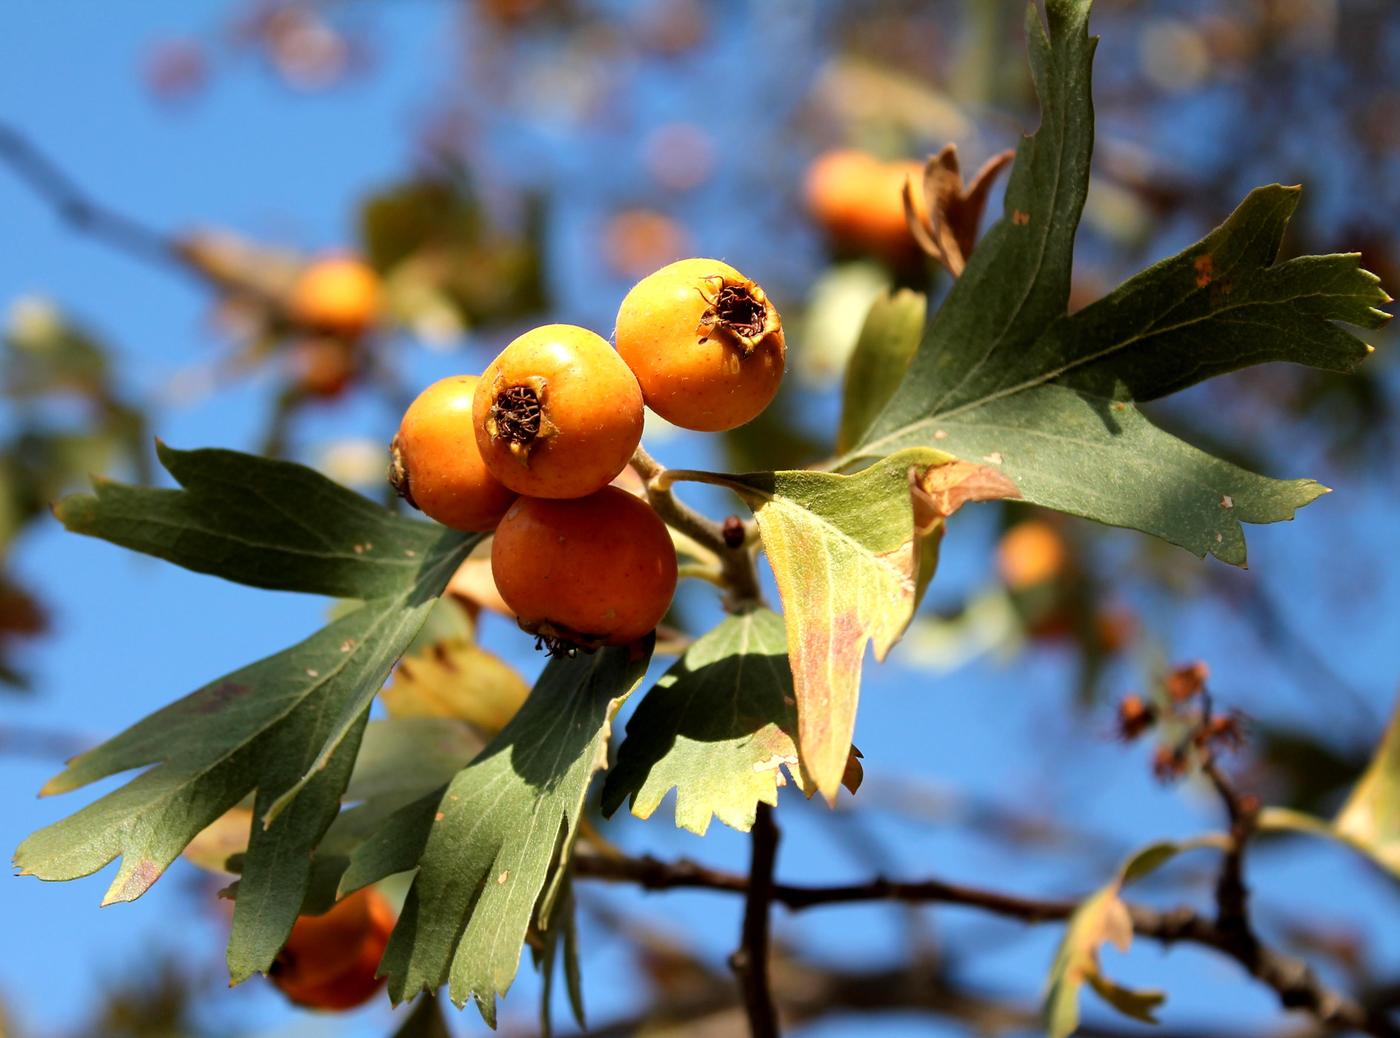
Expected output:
(329, 961)
(1030, 553)
(337, 295)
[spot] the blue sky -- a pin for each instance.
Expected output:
(131, 634)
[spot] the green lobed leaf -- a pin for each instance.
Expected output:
(259, 521)
(888, 338)
(718, 727)
(287, 727)
(504, 825)
(1004, 376)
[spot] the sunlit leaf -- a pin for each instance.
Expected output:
(848, 556)
(888, 339)
(456, 678)
(1103, 918)
(288, 726)
(719, 727)
(1005, 377)
(1369, 821)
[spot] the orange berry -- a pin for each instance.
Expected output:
(436, 465)
(322, 367)
(1031, 553)
(704, 342)
(858, 201)
(558, 413)
(329, 960)
(590, 571)
(338, 295)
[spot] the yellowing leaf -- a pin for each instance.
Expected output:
(848, 553)
(719, 727)
(455, 678)
(220, 840)
(1369, 822)
(1371, 815)
(1103, 918)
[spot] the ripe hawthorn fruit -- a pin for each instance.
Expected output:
(435, 464)
(705, 343)
(336, 295)
(585, 572)
(557, 414)
(329, 960)
(858, 200)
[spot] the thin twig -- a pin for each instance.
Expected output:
(76, 208)
(738, 565)
(1291, 979)
(750, 961)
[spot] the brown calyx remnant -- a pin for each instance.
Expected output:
(740, 312)
(558, 640)
(517, 415)
(398, 473)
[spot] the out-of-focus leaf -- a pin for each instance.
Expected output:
(719, 727)
(559, 936)
(1003, 376)
(456, 678)
(430, 236)
(223, 838)
(888, 339)
(503, 827)
(1102, 919)
(46, 353)
(1369, 821)
(288, 726)
(837, 304)
(847, 552)
(424, 1020)
(266, 523)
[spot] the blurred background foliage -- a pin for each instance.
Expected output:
(564, 149)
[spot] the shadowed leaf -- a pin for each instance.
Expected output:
(501, 829)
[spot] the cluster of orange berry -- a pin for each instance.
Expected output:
(530, 447)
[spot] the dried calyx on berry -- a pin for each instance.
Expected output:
(518, 417)
(737, 311)
(398, 473)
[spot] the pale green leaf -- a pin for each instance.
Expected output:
(719, 728)
(891, 333)
(1369, 821)
(848, 554)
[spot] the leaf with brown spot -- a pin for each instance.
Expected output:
(1004, 371)
(849, 554)
(504, 829)
(286, 728)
